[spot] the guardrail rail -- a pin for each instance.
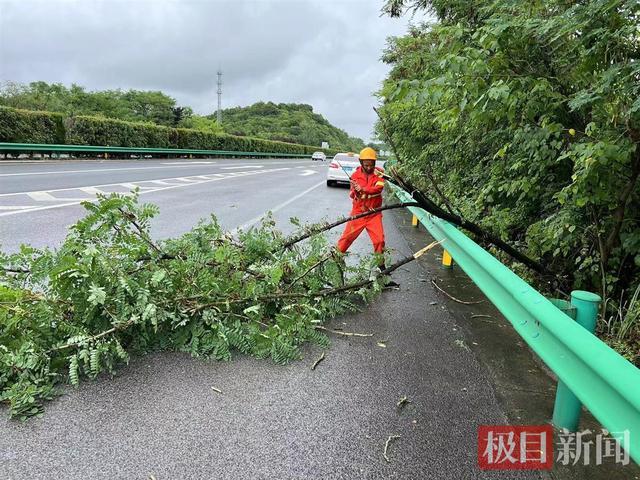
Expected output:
(599, 378)
(51, 148)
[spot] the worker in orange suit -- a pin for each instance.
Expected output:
(367, 183)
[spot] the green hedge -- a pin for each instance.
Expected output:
(26, 126)
(23, 126)
(84, 130)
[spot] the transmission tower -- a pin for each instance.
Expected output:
(219, 114)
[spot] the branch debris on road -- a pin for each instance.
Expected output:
(433, 282)
(315, 364)
(346, 334)
(386, 446)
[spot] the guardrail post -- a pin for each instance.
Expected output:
(414, 221)
(447, 261)
(567, 408)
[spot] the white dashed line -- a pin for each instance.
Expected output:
(241, 166)
(46, 196)
(90, 190)
(42, 196)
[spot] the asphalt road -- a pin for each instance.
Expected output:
(38, 201)
(159, 416)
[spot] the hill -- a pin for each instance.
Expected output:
(287, 122)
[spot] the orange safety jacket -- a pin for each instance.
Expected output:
(371, 195)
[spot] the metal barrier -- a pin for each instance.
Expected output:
(36, 147)
(589, 371)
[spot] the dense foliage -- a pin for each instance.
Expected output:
(32, 127)
(130, 105)
(527, 116)
(23, 126)
(110, 291)
(287, 122)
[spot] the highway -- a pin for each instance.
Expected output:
(159, 417)
(38, 201)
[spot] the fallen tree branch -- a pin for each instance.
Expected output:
(429, 206)
(451, 216)
(320, 293)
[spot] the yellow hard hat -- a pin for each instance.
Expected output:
(368, 153)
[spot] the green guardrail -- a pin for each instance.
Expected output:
(36, 147)
(588, 370)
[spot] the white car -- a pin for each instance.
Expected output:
(318, 156)
(342, 167)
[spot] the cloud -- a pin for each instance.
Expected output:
(321, 52)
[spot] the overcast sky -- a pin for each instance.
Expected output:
(322, 52)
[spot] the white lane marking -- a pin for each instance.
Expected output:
(275, 209)
(15, 207)
(188, 163)
(242, 166)
(159, 189)
(307, 172)
(159, 182)
(42, 196)
(90, 190)
(187, 179)
(131, 168)
(88, 171)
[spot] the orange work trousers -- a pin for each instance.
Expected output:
(373, 224)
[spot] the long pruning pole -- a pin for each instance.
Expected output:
(342, 168)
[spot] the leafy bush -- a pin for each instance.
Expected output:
(83, 130)
(111, 291)
(529, 120)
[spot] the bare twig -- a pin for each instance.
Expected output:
(346, 334)
(217, 390)
(315, 364)
(433, 282)
(386, 446)
(480, 316)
